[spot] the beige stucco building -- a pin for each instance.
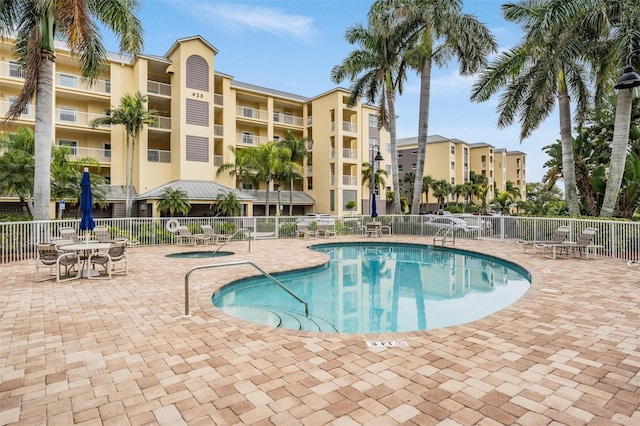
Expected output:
(200, 113)
(453, 160)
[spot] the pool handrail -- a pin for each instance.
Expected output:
(243, 262)
(247, 230)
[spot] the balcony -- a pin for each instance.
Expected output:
(77, 118)
(101, 155)
(287, 119)
(158, 156)
(310, 170)
(72, 81)
(250, 139)
(218, 160)
(217, 130)
(11, 70)
(347, 126)
(28, 112)
(349, 180)
(158, 88)
(251, 113)
(349, 153)
(218, 100)
(161, 123)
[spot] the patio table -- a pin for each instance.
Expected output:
(84, 249)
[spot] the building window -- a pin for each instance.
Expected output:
(453, 149)
(388, 148)
(373, 142)
(399, 167)
(107, 150)
(414, 152)
(71, 144)
(400, 154)
(25, 109)
(373, 120)
(453, 181)
(68, 114)
(388, 169)
(453, 165)
(247, 138)
(276, 138)
(413, 166)
(68, 80)
(15, 70)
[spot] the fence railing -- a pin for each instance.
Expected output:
(618, 240)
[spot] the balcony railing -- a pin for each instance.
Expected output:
(218, 100)
(77, 118)
(218, 160)
(310, 170)
(247, 139)
(332, 180)
(73, 81)
(287, 119)
(217, 130)
(158, 88)
(158, 156)
(347, 126)
(349, 180)
(163, 123)
(101, 155)
(309, 121)
(248, 112)
(349, 153)
(11, 70)
(28, 112)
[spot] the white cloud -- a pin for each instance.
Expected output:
(269, 19)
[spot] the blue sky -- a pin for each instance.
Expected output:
(293, 45)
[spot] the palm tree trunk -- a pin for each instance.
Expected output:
(127, 158)
(291, 197)
(618, 152)
(130, 183)
(43, 135)
(394, 151)
(568, 162)
(423, 133)
(266, 199)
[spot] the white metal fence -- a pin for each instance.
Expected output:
(619, 240)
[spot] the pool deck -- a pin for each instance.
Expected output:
(120, 352)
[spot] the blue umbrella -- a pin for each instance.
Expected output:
(374, 209)
(86, 202)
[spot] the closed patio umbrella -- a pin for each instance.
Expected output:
(86, 203)
(374, 209)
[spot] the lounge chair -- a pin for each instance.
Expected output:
(326, 230)
(216, 238)
(302, 230)
(633, 263)
(582, 247)
(49, 257)
(562, 233)
(186, 237)
(110, 260)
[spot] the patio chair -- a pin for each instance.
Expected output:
(374, 229)
(561, 234)
(70, 234)
(110, 261)
(582, 247)
(102, 234)
(327, 230)
(49, 257)
(186, 237)
(302, 230)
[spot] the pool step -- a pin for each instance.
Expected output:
(281, 318)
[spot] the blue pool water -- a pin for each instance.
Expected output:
(380, 288)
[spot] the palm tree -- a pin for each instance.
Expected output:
(240, 168)
(132, 114)
(229, 205)
(441, 32)
(426, 186)
(298, 148)
(548, 64)
(17, 165)
(377, 73)
(267, 160)
(441, 188)
(378, 177)
(35, 24)
(174, 200)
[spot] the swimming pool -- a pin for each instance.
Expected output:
(380, 288)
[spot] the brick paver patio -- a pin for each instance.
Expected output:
(120, 352)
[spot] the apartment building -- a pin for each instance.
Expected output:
(201, 112)
(453, 160)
